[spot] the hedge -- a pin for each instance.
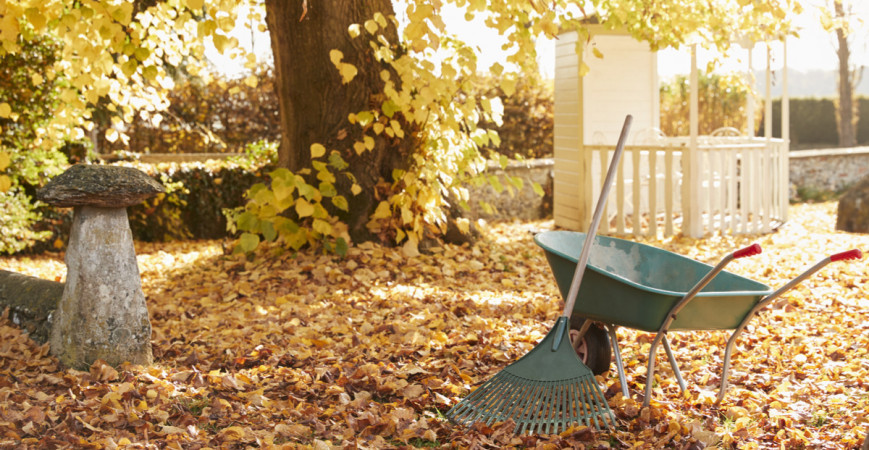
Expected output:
(192, 208)
(813, 122)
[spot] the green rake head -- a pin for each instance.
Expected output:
(546, 391)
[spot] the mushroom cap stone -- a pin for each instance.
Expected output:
(100, 186)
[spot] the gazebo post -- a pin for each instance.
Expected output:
(750, 100)
(692, 223)
(785, 135)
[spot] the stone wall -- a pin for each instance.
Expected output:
(820, 170)
(522, 204)
(828, 170)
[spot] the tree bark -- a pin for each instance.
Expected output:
(314, 103)
(847, 111)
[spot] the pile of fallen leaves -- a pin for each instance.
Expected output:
(369, 351)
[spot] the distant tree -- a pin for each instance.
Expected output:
(842, 21)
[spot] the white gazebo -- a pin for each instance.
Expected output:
(729, 182)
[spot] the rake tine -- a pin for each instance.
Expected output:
(566, 417)
(542, 413)
(555, 414)
(482, 406)
(526, 407)
(572, 408)
(527, 413)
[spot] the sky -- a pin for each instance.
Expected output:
(813, 50)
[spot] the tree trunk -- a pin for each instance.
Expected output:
(314, 103)
(847, 111)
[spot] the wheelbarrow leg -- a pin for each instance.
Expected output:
(671, 315)
(725, 371)
(614, 342)
(673, 364)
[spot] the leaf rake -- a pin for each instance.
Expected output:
(548, 389)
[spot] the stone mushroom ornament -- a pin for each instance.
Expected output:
(102, 313)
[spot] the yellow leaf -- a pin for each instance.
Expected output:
(317, 150)
(195, 5)
(354, 30)
(596, 52)
(378, 128)
(321, 226)
(336, 56)
(410, 249)
(508, 84)
(396, 127)
(359, 148)
(36, 79)
(221, 42)
(5, 110)
(5, 183)
(303, 208)
(369, 142)
(371, 26)
(464, 225)
(4, 160)
(355, 189)
(380, 19)
(251, 81)
(583, 69)
(35, 17)
(348, 72)
(383, 211)
(112, 135)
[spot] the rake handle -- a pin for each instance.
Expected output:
(595, 221)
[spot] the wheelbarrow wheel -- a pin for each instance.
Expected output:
(594, 348)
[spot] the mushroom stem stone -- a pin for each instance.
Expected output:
(102, 313)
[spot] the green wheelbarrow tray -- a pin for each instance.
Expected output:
(638, 286)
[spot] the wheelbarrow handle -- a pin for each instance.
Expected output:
(843, 256)
(850, 254)
(751, 250)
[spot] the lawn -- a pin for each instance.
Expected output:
(368, 351)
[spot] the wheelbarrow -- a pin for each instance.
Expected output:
(639, 286)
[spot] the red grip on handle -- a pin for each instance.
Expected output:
(850, 254)
(751, 250)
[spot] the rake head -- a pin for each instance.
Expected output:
(546, 391)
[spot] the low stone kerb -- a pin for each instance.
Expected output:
(100, 186)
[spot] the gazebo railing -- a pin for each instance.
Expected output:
(739, 185)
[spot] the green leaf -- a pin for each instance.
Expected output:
(365, 117)
(328, 189)
(341, 247)
(389, 108)
(340, 202)
(248, 242)
(247, 221)
(537, 189)
(495, 182)
(516, 182)
(322, 227)
(268, 230)
(336, 161)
